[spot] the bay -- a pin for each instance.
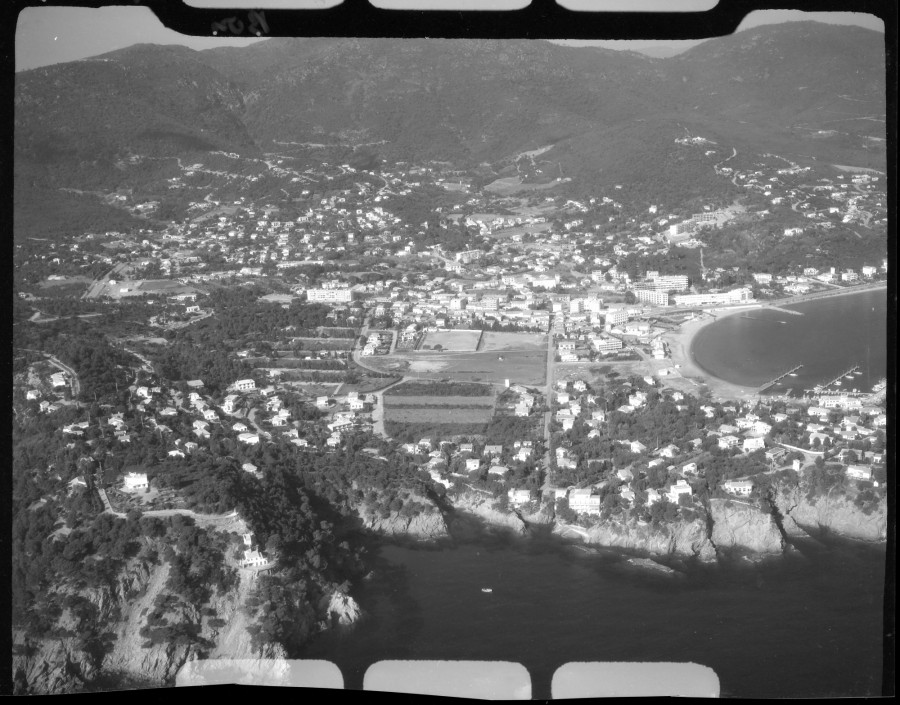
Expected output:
(803, 625)
(831, 336)
(808, 624)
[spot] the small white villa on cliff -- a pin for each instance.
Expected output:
(518, 497)
(859, 472)
(253, 559)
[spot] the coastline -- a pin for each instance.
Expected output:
(681, 341)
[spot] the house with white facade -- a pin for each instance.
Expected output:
(135, 481)
(677, 490)
(519, 497)
(584, 502)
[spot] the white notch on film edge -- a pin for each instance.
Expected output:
(493, 680)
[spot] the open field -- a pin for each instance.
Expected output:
(453, 340)
(513, 184)
(139, 287)
(77, 280)
(521, 230)
(498, 342)
(522, 367)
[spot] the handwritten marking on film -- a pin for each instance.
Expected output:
(256, 24)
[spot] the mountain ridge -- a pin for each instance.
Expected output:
(462, 100)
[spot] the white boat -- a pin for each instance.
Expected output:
(486, 590)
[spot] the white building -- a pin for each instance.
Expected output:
(859, 472)
(253, 559)
(135, 481)
(752, 444)
(329, 295)
(679, 488)
(738, 487)
(583, 502)
(652, 297)
(245, 385)
(728, 297)
(519, 497)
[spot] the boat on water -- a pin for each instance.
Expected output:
(792, 374)
(487, 590)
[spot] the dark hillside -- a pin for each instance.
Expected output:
(149, 99)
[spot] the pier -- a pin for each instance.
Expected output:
(841, 376)
(777, 379)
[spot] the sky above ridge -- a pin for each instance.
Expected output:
(52, 35)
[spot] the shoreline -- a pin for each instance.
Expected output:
(681, 341)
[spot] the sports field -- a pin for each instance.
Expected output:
(496, 342)
(452, 340)
(526, 367)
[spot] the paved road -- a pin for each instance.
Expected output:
(99, 284)
(378, 409)
(205, 520)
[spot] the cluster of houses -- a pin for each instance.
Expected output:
(748, 430)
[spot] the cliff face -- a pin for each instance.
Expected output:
(482, 507)
(63, 664)
(51, 665)
(687, 539)
(423, 526)
(834, 511)
(736, 524)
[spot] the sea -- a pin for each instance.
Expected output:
(831, 337)
(806, 624)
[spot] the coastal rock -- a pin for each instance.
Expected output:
(833, 511)
(687, 539)
(651, 565)
(49, 665)
(422, 526)
(482, 506)
(341, 607)
(736, 524)
(545, 515)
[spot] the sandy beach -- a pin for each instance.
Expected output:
(680, 341)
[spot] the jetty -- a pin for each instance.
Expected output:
(841, 376)
(777, 379)
(786, 310)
